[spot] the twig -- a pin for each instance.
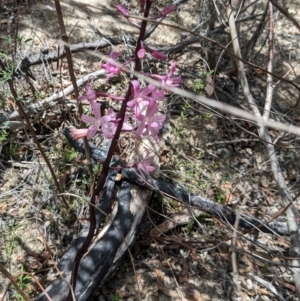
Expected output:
(269, 96)
(277, 173)
(36, 281)
(65, 39)
(247, 140)
(13, 281)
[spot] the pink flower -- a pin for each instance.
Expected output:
(91, 94)
(156, 54)
(141, 52)
(112, 69)
(110, 123)
(109, 127)
(109, 66)
(78, 133)
(168, 80)
(140, 99)
(150, 123)
(95, 121)
(125, 13)
(107, 123)
(145, 166)
(158, 94)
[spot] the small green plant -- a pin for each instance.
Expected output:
(116, 297)
(207, 116)
(265, 268)
(6, 75)
(185, 108)
(68, 154)
(200, 83)
(20, 39)
(24, 283)
(4, 132)
(189, 227)
(13, 149)
(97, 167)
(11, 239)
(219, 198)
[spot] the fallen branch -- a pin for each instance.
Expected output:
(174, 191)
(47, 103)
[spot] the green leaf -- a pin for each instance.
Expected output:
(9, 40)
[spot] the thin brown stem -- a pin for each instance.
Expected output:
(4, 271)
(65, 39)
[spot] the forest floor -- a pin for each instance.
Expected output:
(207, 152)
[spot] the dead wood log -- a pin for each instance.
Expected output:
(109, 246)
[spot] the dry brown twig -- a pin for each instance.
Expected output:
(264, 134)
(65, 40)
(13, 281)
(14, 284)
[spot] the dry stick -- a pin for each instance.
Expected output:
(277, 173)
(13, 281)
(270, 88)
(234, 261)
(52, 100)
(36, 141)
(65, 39)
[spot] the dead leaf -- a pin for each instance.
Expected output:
(209, 88)
(167, 291)
(183, 276)
(227, 188)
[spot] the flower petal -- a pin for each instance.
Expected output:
(88, 119)
(96, 109)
